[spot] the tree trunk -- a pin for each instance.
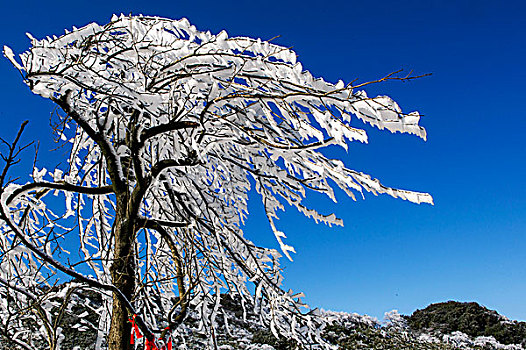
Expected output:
(123, 277)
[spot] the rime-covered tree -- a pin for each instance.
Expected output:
(168, 130)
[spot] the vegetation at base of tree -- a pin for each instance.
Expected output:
(376, 337)
(469, 318)
(266, 337)
(74, 313)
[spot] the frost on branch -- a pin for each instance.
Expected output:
(175, 125)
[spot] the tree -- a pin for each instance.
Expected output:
(168, 129)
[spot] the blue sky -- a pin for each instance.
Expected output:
(469, 246)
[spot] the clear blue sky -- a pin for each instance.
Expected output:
(391, 254)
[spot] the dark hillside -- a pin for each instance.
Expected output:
(469, 318)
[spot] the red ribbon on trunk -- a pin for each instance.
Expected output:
(135, 330)
(169, 343)
(149, 344)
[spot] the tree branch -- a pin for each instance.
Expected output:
(10, 159)
(59, 186)
(105, 146)
(159, 129)
(157, 226)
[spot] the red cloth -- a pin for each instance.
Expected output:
(135, 330)
(149, 344)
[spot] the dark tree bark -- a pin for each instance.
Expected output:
(123, 277)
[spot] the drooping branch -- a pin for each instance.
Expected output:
(183, 294)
